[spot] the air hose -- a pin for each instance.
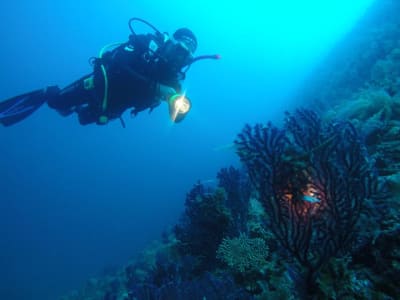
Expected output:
(103, 119)
(213, 56)
(143, 21)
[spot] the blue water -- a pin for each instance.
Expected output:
(75, 200)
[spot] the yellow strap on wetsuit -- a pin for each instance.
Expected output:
(88, 83)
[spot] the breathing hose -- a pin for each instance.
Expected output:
(103, 118)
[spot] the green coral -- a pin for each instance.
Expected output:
(339, 281)
(243, 254)
(368, 104)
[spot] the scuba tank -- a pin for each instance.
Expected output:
(178, 104)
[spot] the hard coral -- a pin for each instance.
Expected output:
(243, 254)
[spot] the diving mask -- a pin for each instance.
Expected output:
(177, 52)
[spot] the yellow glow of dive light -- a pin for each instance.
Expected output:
(181, 105)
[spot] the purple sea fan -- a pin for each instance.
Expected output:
(312, 177)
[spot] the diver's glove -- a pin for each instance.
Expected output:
(164, 92)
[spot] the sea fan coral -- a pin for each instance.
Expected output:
(312, 178)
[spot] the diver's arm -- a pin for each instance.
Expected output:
(163, 91)
(178, 104)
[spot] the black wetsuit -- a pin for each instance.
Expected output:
(133, 71)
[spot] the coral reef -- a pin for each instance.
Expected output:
(312, 178)
(367, 56)
(238, 191)
(314, 213)
(310, 217)
(202, 227)
(207, 286)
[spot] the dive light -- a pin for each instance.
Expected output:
(179, 106)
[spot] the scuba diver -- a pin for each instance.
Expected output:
(138, 74)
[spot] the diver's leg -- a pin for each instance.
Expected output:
(66, 100)
(87, 115)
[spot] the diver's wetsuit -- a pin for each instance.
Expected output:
(137, 74)
(133, 71)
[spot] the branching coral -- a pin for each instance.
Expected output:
(237, 188)
(203, 226)
(312, 179)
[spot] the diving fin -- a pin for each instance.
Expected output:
(18, 108)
